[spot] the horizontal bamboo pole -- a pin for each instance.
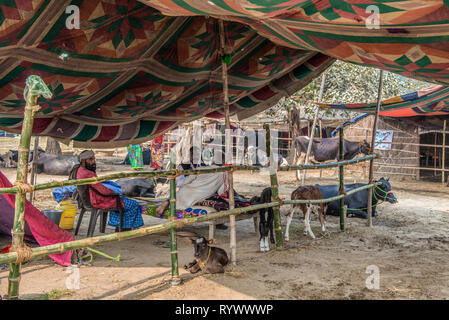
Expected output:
(118, 236)
(341, 196)
(411, 168)
(327, 165)
(164, 173)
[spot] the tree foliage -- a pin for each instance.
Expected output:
(347, 83)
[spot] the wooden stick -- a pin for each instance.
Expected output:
(342, 180)
(312, 130)
(34, 165)
(274, 190)
(373, 140)
(232, 236)
(443, 155)
(321, 136)
(435, 156)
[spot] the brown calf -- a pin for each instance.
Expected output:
(307, 193)
(207, 258)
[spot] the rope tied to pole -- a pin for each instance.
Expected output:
(178, 172)
(23, 253)
(24, 187)
(33, 109)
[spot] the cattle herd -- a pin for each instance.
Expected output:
(213, 259)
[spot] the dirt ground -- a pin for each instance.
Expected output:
(409, 243)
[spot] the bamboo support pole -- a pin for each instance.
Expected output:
(342, 180)
(228, 141)
(20, 201)
(175, 279)
(34, 165)
(125, 235)
(373, 140)
(443, 154)
(165, 173)
(274, 190)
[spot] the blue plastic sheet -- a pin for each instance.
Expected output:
(63, 193)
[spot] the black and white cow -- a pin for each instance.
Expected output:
(358, 202)
(266, 219)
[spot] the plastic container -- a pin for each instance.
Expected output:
(68, 214)
(53, 215)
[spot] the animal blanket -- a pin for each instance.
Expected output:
(196, 188)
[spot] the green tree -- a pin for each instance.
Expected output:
(347, 83)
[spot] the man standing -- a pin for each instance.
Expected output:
(132, 216)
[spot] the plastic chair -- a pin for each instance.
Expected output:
(82, 196)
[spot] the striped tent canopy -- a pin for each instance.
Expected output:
(432, 101)
(132, 70)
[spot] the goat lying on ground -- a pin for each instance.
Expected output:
(207, 258)
(266, 219)
(307, 193)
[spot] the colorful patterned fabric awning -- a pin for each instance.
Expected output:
(432, 101)
(134, 69)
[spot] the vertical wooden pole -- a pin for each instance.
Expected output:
(175, 280)
(341, 154)
(443, 155)
(312, 130)
(20, 202)
(321, 136)
(373, 140)
(33, 168)
(435, 155)
(274, 189)
(228, 146)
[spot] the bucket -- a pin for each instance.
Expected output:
(53, 215)
(68, 215)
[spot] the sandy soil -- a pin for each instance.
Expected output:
(409, 243)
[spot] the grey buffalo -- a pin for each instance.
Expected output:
(55, 164)
(137, 187)
(358, 202)
(15, 154)
(324, 149)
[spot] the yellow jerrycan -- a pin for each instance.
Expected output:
(68, 214)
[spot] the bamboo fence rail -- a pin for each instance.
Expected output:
(89, 242)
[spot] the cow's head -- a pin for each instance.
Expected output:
(365, 147)
(383, 191)
(201, 245)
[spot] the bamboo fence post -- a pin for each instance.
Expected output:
(373, 141)
(33, 89)
(443, 152)
(33, 167)
(312, 130)
(228, 143)
(175, 280)
(342, 179)
(274, 190)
